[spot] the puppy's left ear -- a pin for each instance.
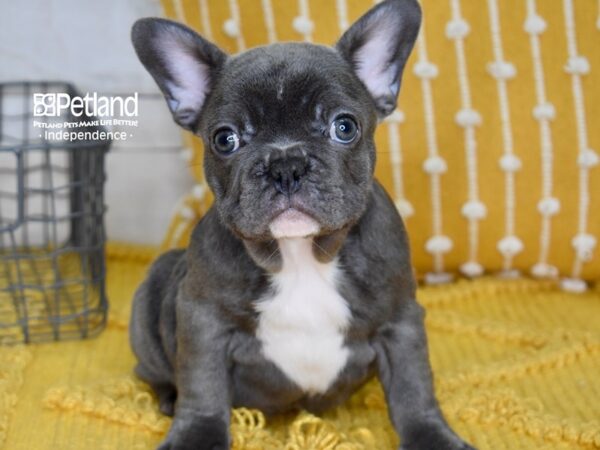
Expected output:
(378, 45)
(183, 64)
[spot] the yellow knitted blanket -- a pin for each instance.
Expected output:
(517, 366)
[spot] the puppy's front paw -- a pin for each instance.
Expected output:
(429, 436)
(202, 433)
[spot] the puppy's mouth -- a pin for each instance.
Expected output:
(293, 223)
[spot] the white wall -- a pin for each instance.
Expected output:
(87, 42)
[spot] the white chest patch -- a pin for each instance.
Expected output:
(301, 327)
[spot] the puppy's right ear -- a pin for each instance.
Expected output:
(182, 63)
(377, 46)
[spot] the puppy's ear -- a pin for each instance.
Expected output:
(182, 63)
(378, 45)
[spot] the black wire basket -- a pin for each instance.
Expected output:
(52, 263)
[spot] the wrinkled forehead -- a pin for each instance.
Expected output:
(284, 82)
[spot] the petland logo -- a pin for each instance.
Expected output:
(53, 105)
(88, 118)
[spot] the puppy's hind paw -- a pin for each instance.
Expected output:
(430, 436)
(197, 433)
(167, 394)
(437, 446)
(167, 407)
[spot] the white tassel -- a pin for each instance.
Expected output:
(303, 25)
(574, 285)
(543, 270)
(510, 274)
(187, 154)
(545, 111)
(549, 206)
(457, 29)
(425, 69)
(510, 246)
(438, 244)
(435, 164)
(588, 158)
(584, 244)
(187, 213)
(471, 269)
(577, 65)
(231, 28)
(467, 117)
(404, 207)
(474, 209)
(396, 117)
(199, 191)
(502, 70)
(510, 163)
(433, 278)
(534, 24)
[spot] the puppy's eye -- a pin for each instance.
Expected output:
(343, 129)
(226, 141)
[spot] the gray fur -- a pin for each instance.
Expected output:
(194, 319)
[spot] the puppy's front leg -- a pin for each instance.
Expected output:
(202, 410)
(404, 371)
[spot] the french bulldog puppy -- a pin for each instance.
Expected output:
(297, 286)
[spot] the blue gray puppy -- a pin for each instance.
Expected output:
(296, 287)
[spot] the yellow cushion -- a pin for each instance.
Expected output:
(516, 366)
(403, 144)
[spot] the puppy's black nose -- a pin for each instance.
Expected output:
(287, 173)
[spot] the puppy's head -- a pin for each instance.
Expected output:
(288, 128)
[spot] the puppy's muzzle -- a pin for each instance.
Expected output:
(287, 169)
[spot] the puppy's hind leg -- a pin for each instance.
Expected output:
(167, 395)
(165, 390)
(151, 327)
(160, 380)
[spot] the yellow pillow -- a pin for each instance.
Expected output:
(489, 156)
